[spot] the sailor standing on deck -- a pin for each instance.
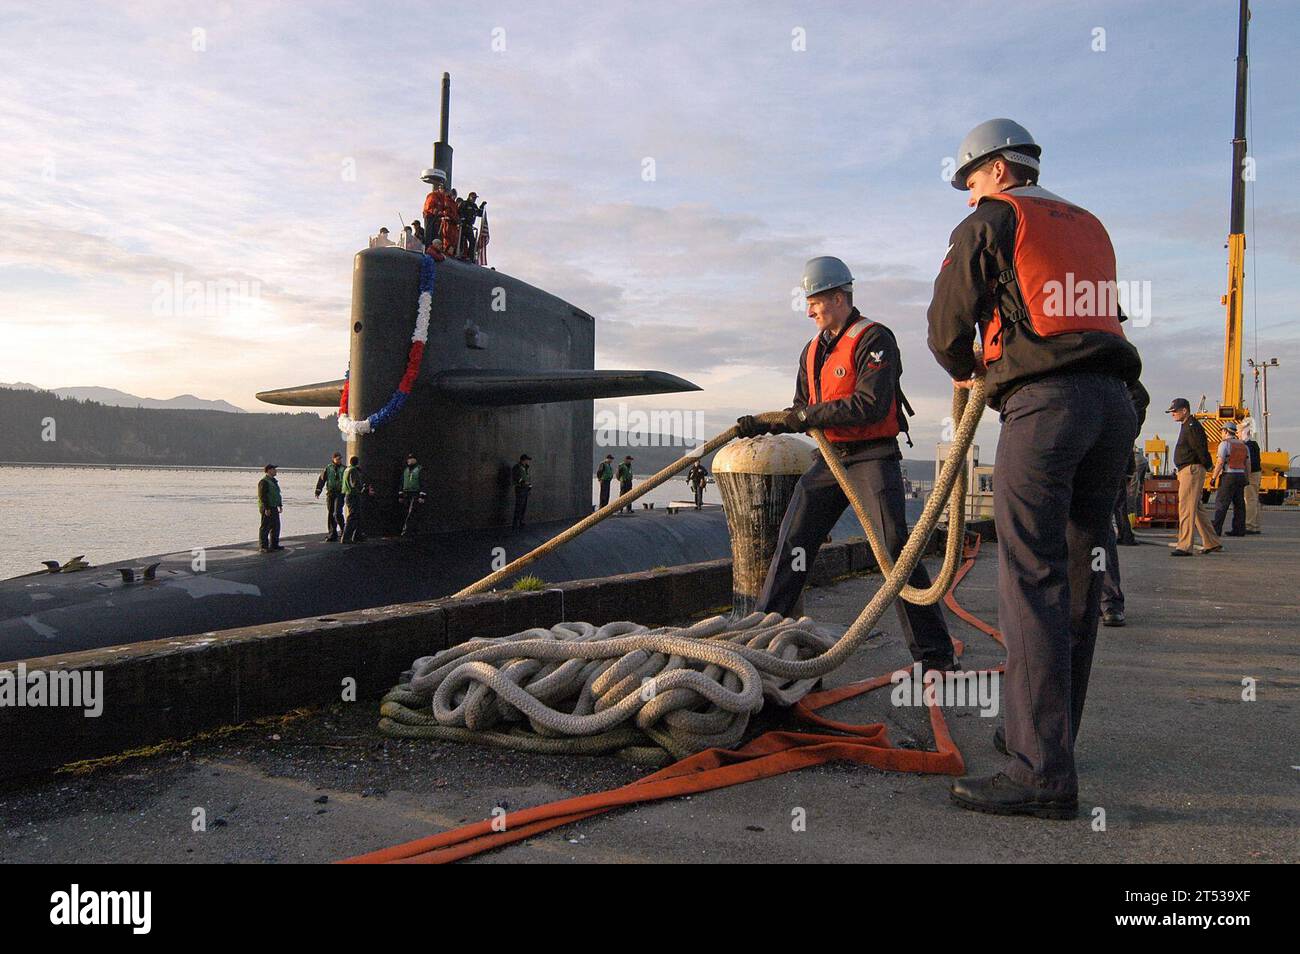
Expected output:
(523, 484)
(848, 386)
(355, 487)
(1233, 474)
(625, 480)
(605, 474)
(331, 481)
(1246, 431)
(1057, 371)
(1112, 593)
(441, 212)
(697, 477)
(469, 211)
(411, 496)
(269, 504)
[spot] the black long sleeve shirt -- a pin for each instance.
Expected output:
(965, 294)
(1192, 447)
(878, 365)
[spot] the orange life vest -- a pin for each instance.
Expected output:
(838, 379)
(1063, 271)
(1238, 455)
(437, 204)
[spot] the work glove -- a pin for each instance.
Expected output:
(750, 426)
(790, 424)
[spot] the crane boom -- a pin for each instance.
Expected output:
(1231, 405)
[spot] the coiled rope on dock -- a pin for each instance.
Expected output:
(651, 694)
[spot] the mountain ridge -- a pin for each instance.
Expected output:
(112, 397)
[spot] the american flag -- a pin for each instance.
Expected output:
(483, 237)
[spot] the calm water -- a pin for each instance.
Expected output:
(55, 513)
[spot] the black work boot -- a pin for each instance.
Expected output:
(1002, 795)
(1000, 739)
(950, 664)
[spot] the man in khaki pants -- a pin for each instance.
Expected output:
(1192, 459)
(1246, 431)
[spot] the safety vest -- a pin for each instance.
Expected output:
(441, 204)
(1238, 455)
(1062, 278)
(411, 480)
(334, 477)
(839, 379)
(350, 481)
(605, 472)
(625, 473)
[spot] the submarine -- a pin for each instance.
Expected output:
(505, 369)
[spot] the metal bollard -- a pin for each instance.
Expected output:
(756, 478)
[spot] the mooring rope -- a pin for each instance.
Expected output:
(668, 692)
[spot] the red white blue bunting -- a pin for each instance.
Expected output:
(351, 428)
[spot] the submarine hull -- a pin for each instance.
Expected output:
(45, 614)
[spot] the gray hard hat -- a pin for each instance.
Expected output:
(1004, 137)
(1230, 427)
(824, 273)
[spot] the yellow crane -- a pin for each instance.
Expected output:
(1231, 407)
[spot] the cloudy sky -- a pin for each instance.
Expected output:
(260, 143)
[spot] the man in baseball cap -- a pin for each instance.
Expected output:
(1191, 461)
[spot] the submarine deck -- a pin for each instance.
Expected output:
(1185, 769)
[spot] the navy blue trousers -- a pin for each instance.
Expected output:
(814, 508)
(1061, 456)
(1231, 493)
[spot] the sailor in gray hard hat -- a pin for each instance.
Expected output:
(847, 386)
(1063, 380)
(824, 273)
(1002, 137)
(1232, 471)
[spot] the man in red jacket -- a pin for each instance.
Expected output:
(441, 212)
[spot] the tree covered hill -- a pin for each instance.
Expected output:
(85, 432)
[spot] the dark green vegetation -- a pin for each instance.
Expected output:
(85, 432)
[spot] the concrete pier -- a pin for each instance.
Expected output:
(1182, 766)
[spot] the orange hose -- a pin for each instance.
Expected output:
(771, 754)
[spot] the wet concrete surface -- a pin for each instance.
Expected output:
(1183, 768)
